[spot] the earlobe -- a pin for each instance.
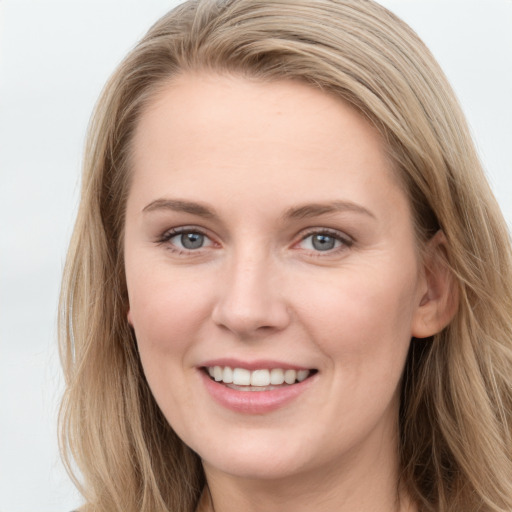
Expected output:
(439, 302)
(129, 317)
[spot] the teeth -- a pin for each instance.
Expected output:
(217, 373)
(260, 378)
(257, 378)
(241, 377)
(290, 376)
(276, 376)
(227, 375)
(302, 375)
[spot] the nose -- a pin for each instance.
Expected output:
(251, 302)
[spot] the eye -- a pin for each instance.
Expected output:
(324, 241)
(186, 239)
(190, 240)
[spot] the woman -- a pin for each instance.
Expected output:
(289, 285)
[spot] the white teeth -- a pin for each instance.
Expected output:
(302, 375)
(290, 376)
(241, 377)
(217, 373)
(257, 378)
(260, 378)
(227, 375)
(276, 376)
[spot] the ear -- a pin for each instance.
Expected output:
(129, 316)
(439, 295)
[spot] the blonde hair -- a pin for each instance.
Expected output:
(455, 416)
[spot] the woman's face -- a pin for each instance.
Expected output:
(267, 238)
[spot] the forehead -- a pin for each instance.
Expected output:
(230, 131)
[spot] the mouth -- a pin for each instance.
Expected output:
(242, 379)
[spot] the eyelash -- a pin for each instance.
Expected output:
(344, 240)
(171, 233)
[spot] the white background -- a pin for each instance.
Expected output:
(54, 58)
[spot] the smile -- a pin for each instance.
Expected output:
(272, 387)
(243, 379)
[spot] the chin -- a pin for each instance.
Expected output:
(259, 469)
(249, 458)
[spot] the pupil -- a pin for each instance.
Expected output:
(323, 242)
(192, 240)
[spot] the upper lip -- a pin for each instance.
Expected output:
(258, 364)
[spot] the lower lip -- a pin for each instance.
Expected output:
(254, 402)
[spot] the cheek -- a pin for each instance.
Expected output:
(166, 309)
(362, 318)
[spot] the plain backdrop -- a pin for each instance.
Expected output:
(54, 58)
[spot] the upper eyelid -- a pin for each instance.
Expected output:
(172, 232)
(185, 229)
(328, 231)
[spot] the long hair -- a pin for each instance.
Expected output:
(456, 402)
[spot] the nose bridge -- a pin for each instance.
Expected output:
(250, 298)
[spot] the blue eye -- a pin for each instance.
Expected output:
(323, 242)
(187, 240)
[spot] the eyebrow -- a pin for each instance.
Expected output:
(178, 205)
(316, 209)
(300, 212)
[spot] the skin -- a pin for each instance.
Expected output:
(250, 152)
